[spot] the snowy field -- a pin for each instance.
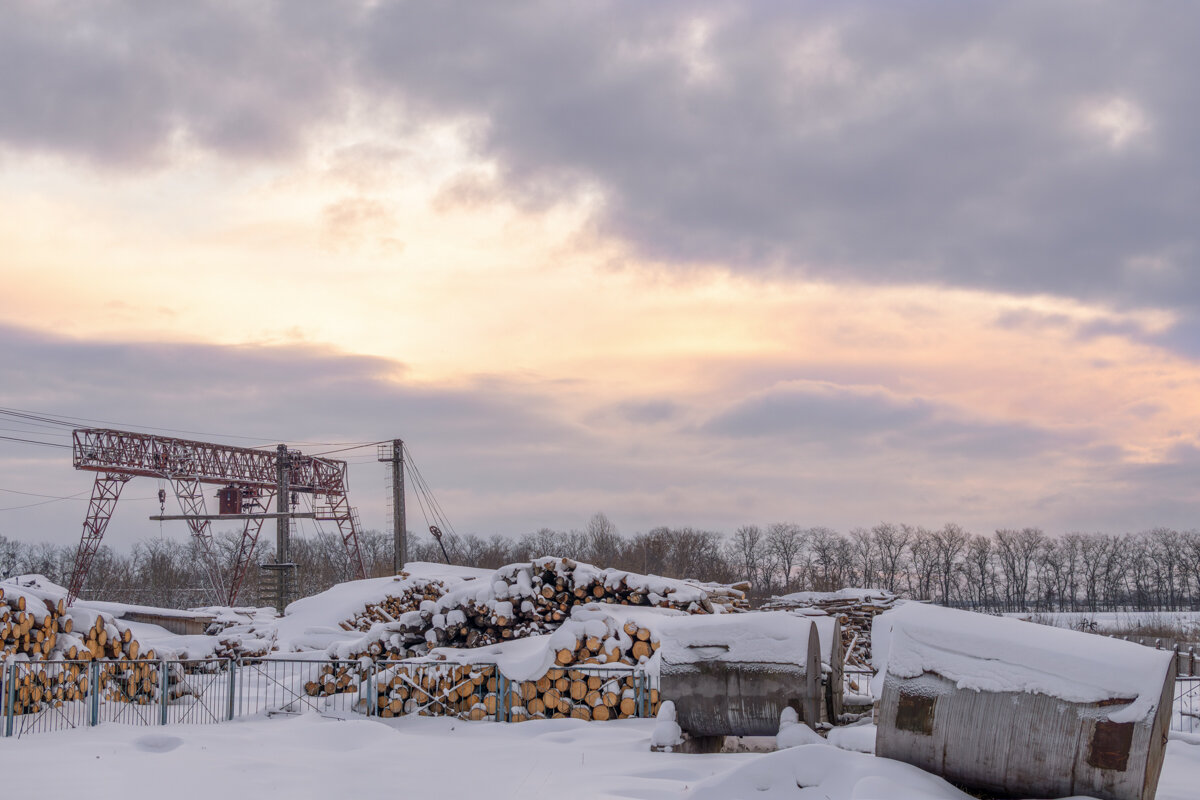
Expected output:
(312, 756)
(1131, 623)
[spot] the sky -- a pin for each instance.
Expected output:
(706, 263)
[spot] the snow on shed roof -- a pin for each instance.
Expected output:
(771, 637)
(995, 654)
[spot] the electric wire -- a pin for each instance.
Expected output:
(36, 441)
(71, 421)
(46, 502)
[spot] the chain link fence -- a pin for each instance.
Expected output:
(39, 697)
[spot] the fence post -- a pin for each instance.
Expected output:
(9, 695)
(95, 695)
(372, 688)
(232, 688)
(501, 695)
(162, 689)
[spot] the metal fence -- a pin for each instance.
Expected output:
(1185, 711)
(38, 697)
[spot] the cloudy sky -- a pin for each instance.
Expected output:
(702, 263)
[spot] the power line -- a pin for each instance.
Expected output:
(46, 502)
(70, 421)
(36, 441)
(344, 449)
(54, 498)
(32, 494)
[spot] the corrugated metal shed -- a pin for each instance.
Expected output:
(1052, 714)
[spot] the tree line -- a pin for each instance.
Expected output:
(1009, 570)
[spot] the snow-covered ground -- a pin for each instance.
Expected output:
(312, 756)
(1132, 623)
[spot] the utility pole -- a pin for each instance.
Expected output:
(283, 528)
(399, 533)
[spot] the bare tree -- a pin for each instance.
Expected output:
(747, 551)
(922, 564)
(948, 544)
(980, 572)
(786, 542)
(862, 546)
(891, 542)
(604, 543)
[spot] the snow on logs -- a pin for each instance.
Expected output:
(584, 669)
(53, 642)
(413, 593)
(854, 609)
(527, 599)
(1020, 709)
(565, 617)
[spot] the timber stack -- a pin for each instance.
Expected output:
(855, 609)
(415, 592)
(54, 644)
(535, 598)
(587, 672)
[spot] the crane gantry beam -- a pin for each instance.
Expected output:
(118, 456)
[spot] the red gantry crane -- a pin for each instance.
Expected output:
(250, 479)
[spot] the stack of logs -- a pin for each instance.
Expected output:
(580, 694)
(39, 633)
(571, 687)
(855, 611)
(474, 691)
(529, 600)
(415, 592)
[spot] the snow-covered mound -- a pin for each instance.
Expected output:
(996, 654)
(822, 771)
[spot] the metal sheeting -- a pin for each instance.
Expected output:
(715, 697)
(1022, 744)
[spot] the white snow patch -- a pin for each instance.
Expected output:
(995, 654)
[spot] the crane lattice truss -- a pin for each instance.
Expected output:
(118, 456)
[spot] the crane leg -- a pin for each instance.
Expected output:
(338, 510)
(241, 562)
(105, 492)
(190, 493)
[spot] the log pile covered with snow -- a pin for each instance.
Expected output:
(38, 628)
(855, 610)
(584, 669)
(530, 599)
(410, 594)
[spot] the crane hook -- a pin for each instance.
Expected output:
(437, 534)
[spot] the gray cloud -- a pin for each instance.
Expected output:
(508, 455)
(895, 143)
(117, 82)
(858, 420)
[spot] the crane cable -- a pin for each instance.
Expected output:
(429, 505)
